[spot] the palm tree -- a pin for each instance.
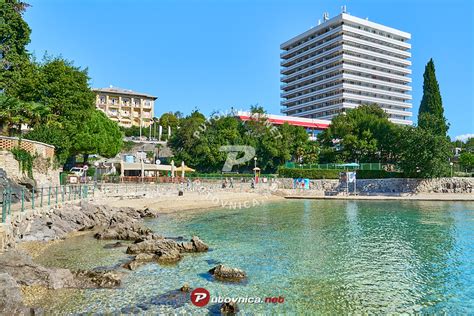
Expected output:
(13, 113)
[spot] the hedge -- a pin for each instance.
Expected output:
(309, 173)
(334, 173)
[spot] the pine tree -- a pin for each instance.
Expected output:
(431, 112)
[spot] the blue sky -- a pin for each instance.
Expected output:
(217, 54)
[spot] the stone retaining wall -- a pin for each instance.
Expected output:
(43, 172)
(396, 185)
(33, 147)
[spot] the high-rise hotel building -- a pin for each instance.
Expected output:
(345, 62)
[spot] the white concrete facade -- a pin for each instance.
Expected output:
(343, 63)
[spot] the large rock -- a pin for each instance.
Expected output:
(199, 245)
(225, 273)
(171, 256)
(10, 296)
(115, 222)
(22, 268)
(153, 246)
(124, 231)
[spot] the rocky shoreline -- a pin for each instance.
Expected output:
(17, 268)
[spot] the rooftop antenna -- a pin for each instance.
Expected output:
(344, 9)
(325, 16)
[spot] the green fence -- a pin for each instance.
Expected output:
(21, 199)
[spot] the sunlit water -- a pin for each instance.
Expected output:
(321, 256)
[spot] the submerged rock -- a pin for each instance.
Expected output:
(225, 273)
(97, 279)
(229, 308)
(117, 244)
(139, 260)
(24, 271)
(185, 288)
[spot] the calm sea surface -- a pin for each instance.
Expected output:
(321, 256)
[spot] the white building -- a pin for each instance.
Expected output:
(345, 62)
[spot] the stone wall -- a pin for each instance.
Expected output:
(391, 186)
(43, 172)
(33, 147)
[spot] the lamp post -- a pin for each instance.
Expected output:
(451, 164)
(255, 169)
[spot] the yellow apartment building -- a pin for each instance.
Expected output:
(126, 107)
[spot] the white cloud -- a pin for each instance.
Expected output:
(464, 137)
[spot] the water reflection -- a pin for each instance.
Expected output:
(322, 256)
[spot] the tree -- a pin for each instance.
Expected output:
(98, 135)
(363, 134)
(423, 154)
(169, 120)
(198, 142)
(14, 113)
(15, 36)
(466, 160)
(431, 112)
(58, 84)
(55, 136)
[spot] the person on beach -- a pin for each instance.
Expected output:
(231, 183)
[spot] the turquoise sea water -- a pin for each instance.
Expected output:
(321, 256)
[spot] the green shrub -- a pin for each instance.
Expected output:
(378, 174)
(309, 173)
(25, 160)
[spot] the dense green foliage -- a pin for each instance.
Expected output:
(364, 134)
(14, 36)
(53, 136)
(466, 160)
(198, 142)
(99, 135)
(423, 154)
(14, 113)
(309, 173)
(52, 97)
(431, 112)
(25, 160)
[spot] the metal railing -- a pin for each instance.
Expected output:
(21, 199)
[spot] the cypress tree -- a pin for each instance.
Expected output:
(431, 112)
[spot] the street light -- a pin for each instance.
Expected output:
(451, 164)
(255, 169)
